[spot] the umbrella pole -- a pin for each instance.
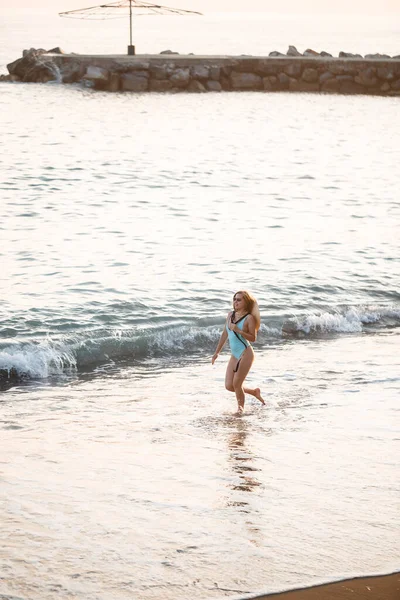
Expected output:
(131, 49)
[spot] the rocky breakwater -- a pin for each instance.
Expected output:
(35, 66)
(171, 72)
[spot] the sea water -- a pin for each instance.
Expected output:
(128, 222)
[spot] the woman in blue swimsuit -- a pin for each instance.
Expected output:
(240, 328)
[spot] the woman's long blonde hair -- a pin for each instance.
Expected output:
(251, 306)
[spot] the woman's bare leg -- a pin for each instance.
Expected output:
(230, 372)
(246, 361)
(256, 392)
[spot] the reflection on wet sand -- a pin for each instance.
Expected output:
(241, 461)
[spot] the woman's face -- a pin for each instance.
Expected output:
(238, 303)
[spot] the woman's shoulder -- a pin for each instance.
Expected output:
(250, 319)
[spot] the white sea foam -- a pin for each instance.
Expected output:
(270, 331)
(374, 314)
(52, 357)
(37, 361)
(57, 74)
(181, 337)
(348, 321)
(330, 322)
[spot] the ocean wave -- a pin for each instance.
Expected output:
(89, 349)
(348, 320)
(36, 360)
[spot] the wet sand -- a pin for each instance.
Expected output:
(381, 587)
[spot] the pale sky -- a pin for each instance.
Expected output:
(363, 7)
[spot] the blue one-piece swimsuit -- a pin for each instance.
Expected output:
(237, 342)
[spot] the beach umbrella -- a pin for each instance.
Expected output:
(116, 10)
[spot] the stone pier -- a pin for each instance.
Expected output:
(174, 73)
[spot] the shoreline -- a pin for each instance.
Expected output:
(369, 587)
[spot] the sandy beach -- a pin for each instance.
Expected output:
(381, 587)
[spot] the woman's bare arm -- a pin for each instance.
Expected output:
(221, 343)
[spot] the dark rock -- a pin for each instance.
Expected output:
(114, 83)
(213, 86)
(141, 74)
(310, 75)
(41, 72)
(200, 72)
(246, 81)
(134, 82)
(293, 70)
(342, 68)
(385, 73)
(72, 72)
(215, 73)
(32, 50)
(116, 68)
(310, 52)
(299, 85)
(284, 81)
(225, 83)
(31, 59)
(367, 77)
(159, 72)
(348, 86)
(139, 65)
(326, 54)
(326, 76)
(271, 83)
(226, 70)
(331, 85)
(56, 50)
(344, 78)
(160, 85)
(14, 66)
(377, 56)
(266, 68)
(168, 52)
(276, 53)
(11, 374)
(395, 85)
(292, 51)
(196, 87)
(349, 55)
(180, 77)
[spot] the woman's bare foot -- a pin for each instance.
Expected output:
(240, 411)
(257, 394)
